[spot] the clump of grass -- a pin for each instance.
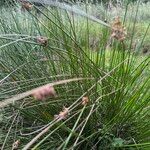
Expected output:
(104, 93)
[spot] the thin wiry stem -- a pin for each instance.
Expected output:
(28, 93)
(40, 134)
(2, 148)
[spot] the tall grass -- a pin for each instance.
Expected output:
(116, 84)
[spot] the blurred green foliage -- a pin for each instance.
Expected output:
(7, 2)
(13, 2)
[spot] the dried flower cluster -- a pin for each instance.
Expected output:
(118, 30)
(63, 114)
(42, 40)
(85, 100)
(26, 5)
(15, 145)
(44, 92)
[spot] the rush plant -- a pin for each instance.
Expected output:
(60, 92)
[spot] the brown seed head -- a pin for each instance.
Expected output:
(15, 145)
(118, 30)
(85, 100)
(62, 114)
(44, 92)
(42, 40)
(26, 6)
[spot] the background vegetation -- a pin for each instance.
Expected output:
(2, 2)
